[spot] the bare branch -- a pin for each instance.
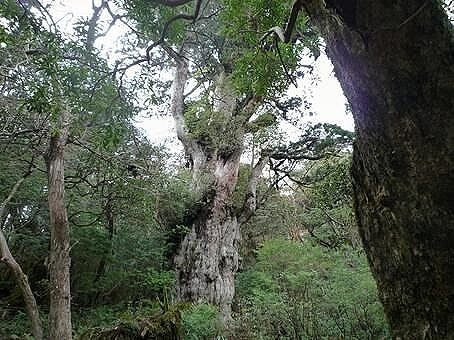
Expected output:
(190, 17)
(171, 3)
(92, 23)
(12, 193)
(285, 35)
(284, 66)
(250, 204)
(121, 18)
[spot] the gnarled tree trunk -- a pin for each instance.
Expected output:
(395, 62)
(59, 259)
(208, 257)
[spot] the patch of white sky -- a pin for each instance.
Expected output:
(325, 94)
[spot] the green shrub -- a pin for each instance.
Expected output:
(146, 321)
(201, 322)
(303, 291)
(14, 324)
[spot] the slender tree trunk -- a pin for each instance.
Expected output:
(59, 264)
(100, 271)
(395, 62)
(22, 280)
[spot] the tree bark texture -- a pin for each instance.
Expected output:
(208, 257)
(22, 280)
(59, 258)
(395, 63)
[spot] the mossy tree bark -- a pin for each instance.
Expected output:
(213, 138)
(395, 62)
(208, 257)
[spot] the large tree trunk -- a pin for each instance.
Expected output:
(395, 62)
(59, 260)
(22, 280)
(208, 258)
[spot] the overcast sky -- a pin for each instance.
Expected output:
(328, 102)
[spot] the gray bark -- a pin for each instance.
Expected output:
(395, 62)
(59, 257)
(208, 257)
(250, 203)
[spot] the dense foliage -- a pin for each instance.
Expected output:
(305, 291)
(292, 285)
(130, 202)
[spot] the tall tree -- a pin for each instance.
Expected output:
(395, 61)
(59, 257)
(224, 88)
(64, 91)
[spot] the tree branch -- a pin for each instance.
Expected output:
(177, 99)
(285, 35)
(92, 23)
(171, 3)
(250, 203)
(190, 17)
(21, 278)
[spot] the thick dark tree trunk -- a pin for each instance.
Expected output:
(59, 259)
(395, 62)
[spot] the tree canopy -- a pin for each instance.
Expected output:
(265, 226)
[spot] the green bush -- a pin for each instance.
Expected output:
(201, 322)
(303, 291)
(14, 324)
(151, 320)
